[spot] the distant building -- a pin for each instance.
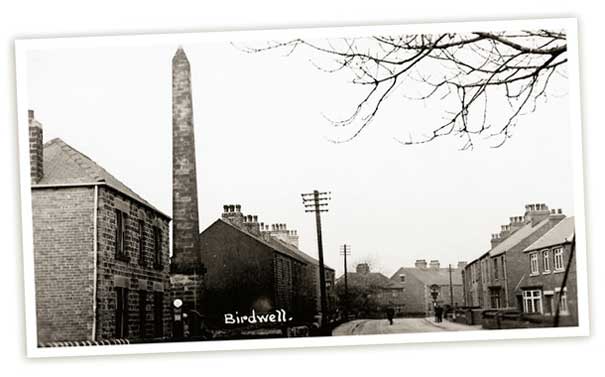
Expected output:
(492, 280)
(249, 268)
(101, 252)
(371, 293)
(546, 261)
(418, 280)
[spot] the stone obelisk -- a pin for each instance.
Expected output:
(185, 221)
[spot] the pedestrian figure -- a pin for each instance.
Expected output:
(390, 315)
(438, 313)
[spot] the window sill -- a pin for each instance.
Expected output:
(558, 271)
(534, 274)
(123, 258)
(546, 272)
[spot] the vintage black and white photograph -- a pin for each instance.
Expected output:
(302, 187)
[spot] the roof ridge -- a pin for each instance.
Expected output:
(552, 230)
(73, 154)
(258, 238)
(92, 171)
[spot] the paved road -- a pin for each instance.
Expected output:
(400, 325)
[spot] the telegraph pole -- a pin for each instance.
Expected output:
(344, 251)
(451, 287)
(314, 202)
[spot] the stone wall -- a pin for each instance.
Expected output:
(135, 272)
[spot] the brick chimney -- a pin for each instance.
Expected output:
(495, 239)
(556, 214)
(36, 148)
(535, 213)
(281, 232)
(504, 231)
(516, 223)
(233, 214)
(185, 216)
(363, 268)
(434, 264)
(251, 224)
(420, 264)
(461, 265)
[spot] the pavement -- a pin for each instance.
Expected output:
(399, 326)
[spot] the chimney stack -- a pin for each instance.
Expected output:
(495, 240)
(434, 264)
(535, 213)
(185, 216)
(461, 265)
(420, 264)
(36, 148)
(363, 268)
(233, 214)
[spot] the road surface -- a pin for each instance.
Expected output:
(400, 325)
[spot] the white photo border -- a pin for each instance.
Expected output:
(22, 47)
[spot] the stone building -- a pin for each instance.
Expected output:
(249, 268)
(492, 280)
(101, 251)
(418, 280)
(546, 262)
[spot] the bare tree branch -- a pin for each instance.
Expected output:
(482, 69)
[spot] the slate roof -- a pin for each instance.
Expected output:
(370, 278)
(518, 236)
(63, 164)
(430, 276)
(276, 245)
(561, 233)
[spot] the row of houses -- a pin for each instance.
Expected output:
(529, 267)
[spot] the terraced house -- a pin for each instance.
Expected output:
(493, 280)
(100, 250)
(549, 283)
(251, 266)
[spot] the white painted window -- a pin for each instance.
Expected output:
(546, 261)
(532, 301)
(533, 264)
(558, 259)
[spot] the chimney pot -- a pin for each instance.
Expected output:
(30, 115)
(238, 208)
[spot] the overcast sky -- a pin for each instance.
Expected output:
(261, 141)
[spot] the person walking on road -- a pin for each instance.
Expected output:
(390, 314)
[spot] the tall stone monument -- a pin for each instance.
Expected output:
(185, 221)
(186, 267)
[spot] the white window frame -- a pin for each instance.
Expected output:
(546, 261)
(558, 256)
(534, 266)
(532, 301)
